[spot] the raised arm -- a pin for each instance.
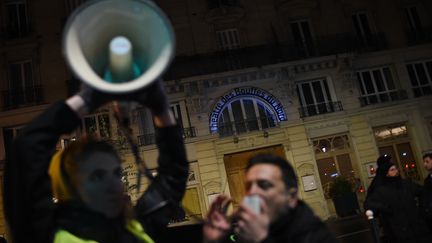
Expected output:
(158, 204)
(28, 199)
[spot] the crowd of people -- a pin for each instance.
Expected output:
(76, 194)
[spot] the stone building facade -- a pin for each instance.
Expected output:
(329, 85)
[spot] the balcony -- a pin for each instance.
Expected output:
(255, 56)
(383, 97)
(419, 36)
(244, 126)
(150, 138)
(320, 108)
(27, 96)
(422, 90)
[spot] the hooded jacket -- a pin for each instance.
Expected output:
(395, 202)
(426, 201)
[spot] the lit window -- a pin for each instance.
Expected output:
(390, 132)
(244, 115)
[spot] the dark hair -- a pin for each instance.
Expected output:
(383, 159)
(288, 175)
(384, 162)
(427, 155)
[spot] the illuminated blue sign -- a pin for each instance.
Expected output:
(245, 91)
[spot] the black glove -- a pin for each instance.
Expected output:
(93, 98)
(153, 97)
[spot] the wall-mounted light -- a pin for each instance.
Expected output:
(235, 139)
(265, 134)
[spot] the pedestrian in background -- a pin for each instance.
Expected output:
(394, 200)
(377, 181)
(282, 217)
(426, 201)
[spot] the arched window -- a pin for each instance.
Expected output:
(245, 114)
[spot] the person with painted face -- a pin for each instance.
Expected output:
(282, 216)
(77, 195)
(394, 200)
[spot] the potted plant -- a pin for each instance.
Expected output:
(344, 197)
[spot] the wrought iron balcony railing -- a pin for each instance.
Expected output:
(419, 36)
(189, 132)
(146, 139)
(320, 108)
(383, 97)
(422, 90)
(15, 98)
(186, 66)
(150, 138)
(247, 125)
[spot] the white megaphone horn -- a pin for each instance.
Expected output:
(92, 27)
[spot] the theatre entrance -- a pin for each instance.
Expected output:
(235, 165)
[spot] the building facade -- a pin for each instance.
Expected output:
(329, 85)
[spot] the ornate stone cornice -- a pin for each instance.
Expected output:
(315, 66)
(225, 14)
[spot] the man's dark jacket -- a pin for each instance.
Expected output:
(299, 225)
(395, 201)
(427, 200)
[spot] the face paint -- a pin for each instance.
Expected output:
(99, 184)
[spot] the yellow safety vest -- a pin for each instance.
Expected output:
(63, 236)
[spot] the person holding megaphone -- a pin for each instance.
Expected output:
(76, 194)
(84, 179)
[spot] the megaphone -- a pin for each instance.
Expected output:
(92, 27)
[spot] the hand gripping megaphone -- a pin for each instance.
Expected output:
(145, 44)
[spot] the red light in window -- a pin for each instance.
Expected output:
(412, 165)
(406, 166)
